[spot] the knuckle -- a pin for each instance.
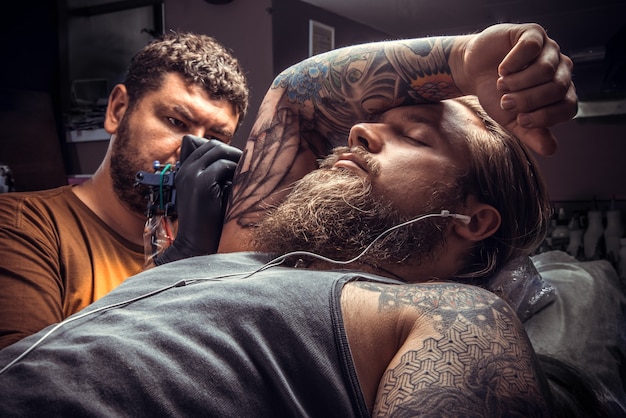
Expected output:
(562, 87)
(567, 61)
(547, 69)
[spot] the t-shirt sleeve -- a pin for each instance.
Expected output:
(30, 274)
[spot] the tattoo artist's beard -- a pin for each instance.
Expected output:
(334, 213)
(124, 168)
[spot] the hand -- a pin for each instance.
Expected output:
(202, 187)
(521, 79)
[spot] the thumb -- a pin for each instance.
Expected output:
(527, 43)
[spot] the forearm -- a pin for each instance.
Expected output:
(338, 88)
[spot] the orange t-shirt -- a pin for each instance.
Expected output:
(56, 257)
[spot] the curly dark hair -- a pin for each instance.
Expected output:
(200, 59)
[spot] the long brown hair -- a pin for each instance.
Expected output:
(503, 174)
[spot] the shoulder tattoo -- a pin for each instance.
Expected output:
(479, 363)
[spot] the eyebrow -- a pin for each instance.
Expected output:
(226, 132)
(407, 115)
(189, 116)
(426, 118)
(416, 117)
(184, 112)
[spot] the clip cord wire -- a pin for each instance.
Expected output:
(279, 260)
(167, 167)
(179, 283)
(84, 314)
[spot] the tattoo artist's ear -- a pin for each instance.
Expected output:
(117, 106)
(485, 221)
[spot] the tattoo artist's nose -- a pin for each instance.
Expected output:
(197, 131)
(366, 135)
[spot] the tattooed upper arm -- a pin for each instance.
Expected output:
(311, 106)
(467, 355)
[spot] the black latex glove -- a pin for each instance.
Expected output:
(202, 186)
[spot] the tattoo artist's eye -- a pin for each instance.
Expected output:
(176, 122)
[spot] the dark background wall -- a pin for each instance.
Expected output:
(30, 95)
(290, 31)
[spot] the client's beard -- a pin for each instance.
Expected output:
(334, 213)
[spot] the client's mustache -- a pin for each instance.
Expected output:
(358, 151)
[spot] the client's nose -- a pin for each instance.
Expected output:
(366, 135)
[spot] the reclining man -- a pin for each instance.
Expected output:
(380, 331)
(312, 106)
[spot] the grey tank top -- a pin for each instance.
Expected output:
(271, 345)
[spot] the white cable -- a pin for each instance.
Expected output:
(179, 283)
(444, 214)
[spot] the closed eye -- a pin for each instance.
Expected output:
(417, 140)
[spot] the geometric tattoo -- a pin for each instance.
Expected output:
(480, 364)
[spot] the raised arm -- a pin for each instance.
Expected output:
(310, 108)
(312, 105)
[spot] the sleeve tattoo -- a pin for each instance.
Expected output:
(312, 105)
(480, 363)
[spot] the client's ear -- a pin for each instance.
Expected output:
(485, 221)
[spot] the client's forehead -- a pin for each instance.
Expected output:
(434, 112)
(453, 120)
(427, 113)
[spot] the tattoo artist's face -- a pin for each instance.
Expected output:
(154, 128)
(396, 169)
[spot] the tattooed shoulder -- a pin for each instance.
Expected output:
(444, 296)
(471, 356)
